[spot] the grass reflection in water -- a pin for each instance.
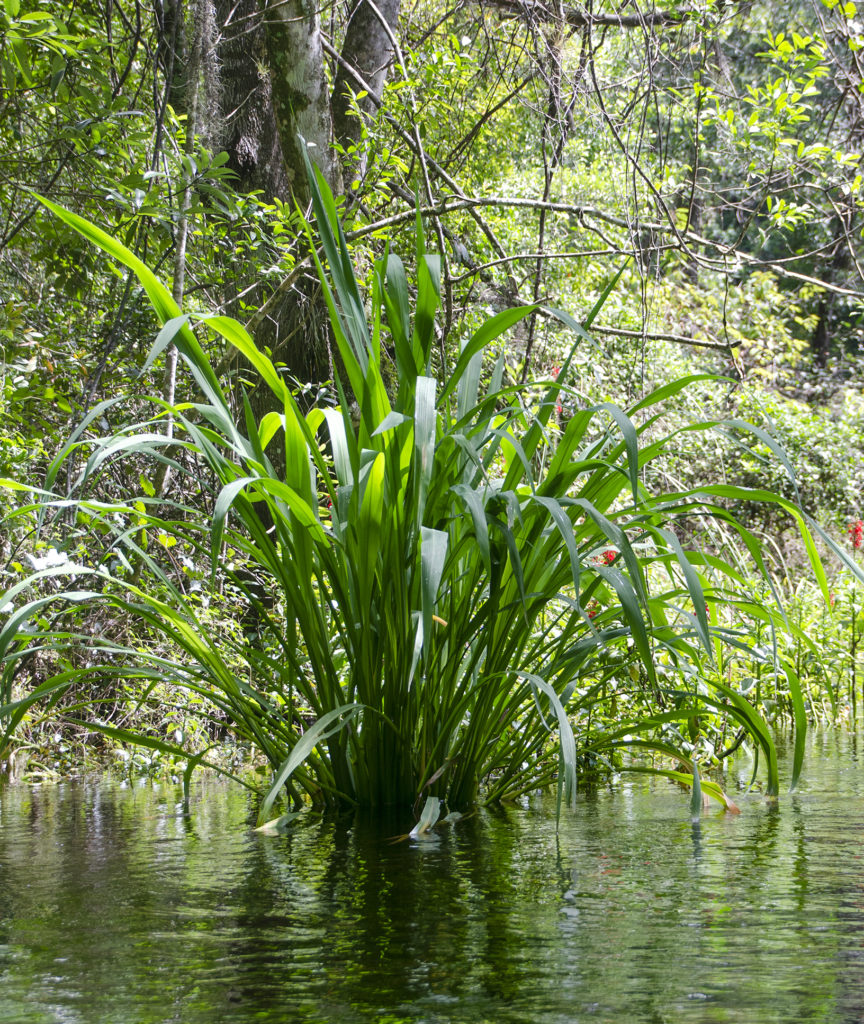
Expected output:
(116, 908)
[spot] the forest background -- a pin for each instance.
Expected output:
(701, 163)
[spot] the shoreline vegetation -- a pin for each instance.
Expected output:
(518, 443)
(455, 592)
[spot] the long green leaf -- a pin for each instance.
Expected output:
(333, 721)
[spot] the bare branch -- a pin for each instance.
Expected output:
(579, 17)
(678, 339)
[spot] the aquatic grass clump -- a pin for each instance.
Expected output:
(439, 573)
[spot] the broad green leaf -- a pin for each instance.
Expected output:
(566, 741)
(433, 553)
(488, 332)
(164, 305)
(333, 721)
(425, 422)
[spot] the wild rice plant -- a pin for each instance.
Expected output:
(441, 570)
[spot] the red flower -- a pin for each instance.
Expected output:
(609, 556)
(856, 533)
(555, 371)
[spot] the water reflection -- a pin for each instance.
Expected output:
(116, 907)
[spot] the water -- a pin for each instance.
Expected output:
(117, 909)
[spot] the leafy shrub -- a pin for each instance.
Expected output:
(826, 450)
(443, 583)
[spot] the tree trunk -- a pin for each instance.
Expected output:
(368, 48)
(269, 117)
(251, 134)
(300, 99)
(264, 151)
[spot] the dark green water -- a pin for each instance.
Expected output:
(115, 908)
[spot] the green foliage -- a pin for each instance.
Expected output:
(743, 140)
(448, 586)
(825, 449)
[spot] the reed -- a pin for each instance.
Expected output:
(439, 579)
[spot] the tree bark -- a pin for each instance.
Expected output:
(273, 91)
(301, 102)
(369, 50)
(252, 136)
(271, 116)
